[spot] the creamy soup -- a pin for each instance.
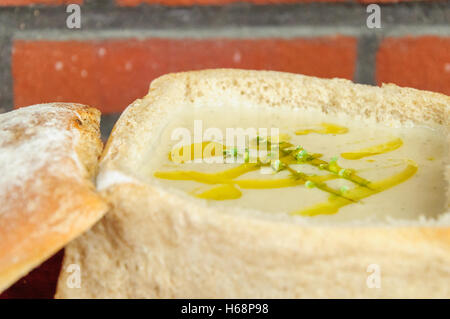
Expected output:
(313, 165)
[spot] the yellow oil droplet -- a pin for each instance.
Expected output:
(374, 150)
(220, 192)
(326, 128)
(280, 138)
(208, 178)
(194, 151)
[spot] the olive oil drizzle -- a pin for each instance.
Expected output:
(325, 128)
(209, 178)
(227, 186)
(334, 202)
(220, 192)
(374, 150)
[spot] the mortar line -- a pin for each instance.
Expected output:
(6, 89)
(234, 32)
(365, 67)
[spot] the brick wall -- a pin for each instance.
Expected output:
(109, 74)
(124, 44)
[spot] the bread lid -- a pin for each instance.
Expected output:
(48, 158)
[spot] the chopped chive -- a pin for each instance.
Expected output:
(246, 155)
(301, 154)
(231, 152)
(260, 139)
(344, 189)
(310, 184)
(277, 165)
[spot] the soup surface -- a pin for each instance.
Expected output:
(302, 163)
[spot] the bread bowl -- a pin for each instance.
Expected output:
(160, 241)
(48, 159)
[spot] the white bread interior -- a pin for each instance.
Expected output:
(158, 243)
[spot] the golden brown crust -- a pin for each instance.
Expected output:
(160, 244)
(49, 155)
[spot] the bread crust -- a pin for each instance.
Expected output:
(156, 243)
(48, 155)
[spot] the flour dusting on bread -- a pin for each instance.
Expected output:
(32, 138)
(48, 156)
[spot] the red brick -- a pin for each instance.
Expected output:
(112, 73)
(31, 2)
(39, 283)
(419, 62)
(131, 3)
